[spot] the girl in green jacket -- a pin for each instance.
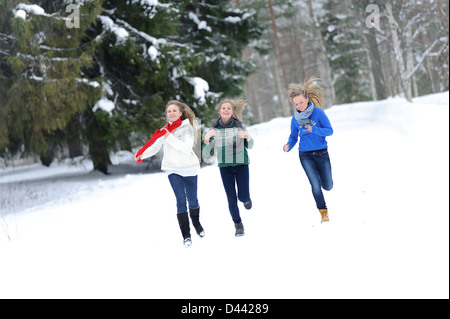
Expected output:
(230, 140)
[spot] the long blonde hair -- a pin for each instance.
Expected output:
(237, 105)
(186, 113)
(308, 90)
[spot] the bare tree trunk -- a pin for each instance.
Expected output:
(281, 92)
(298, 38)
(252, 91)
(409, 53)
(414, 85)
(377, 68)
(410, 59)
(323, 58)
(373, 87)
(391, 73)
(277, 42)
(430, 74)
(406, 83)
(261, 88)
(280, 74)
(252, 97)
(446, 21)
(268, 89)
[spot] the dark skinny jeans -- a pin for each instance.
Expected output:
(231, 176)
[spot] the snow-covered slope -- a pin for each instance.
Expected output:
(68, 233)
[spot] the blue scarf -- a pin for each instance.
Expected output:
(303, 117)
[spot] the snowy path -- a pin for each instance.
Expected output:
(93, 236)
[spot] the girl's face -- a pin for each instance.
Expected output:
(226, 111)
(300, 103)
(173, 113)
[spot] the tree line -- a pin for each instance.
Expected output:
(99, 84)
(363, 50)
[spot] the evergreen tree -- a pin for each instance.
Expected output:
(45, 61)
(141, 66)
(6, 43)
(219, 33)
(346, 53)
(105, 83)
(154, 52)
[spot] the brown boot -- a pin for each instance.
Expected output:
(324, 213)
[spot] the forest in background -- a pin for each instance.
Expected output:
(363, 50)
(97, 85)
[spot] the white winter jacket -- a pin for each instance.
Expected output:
(179, 155)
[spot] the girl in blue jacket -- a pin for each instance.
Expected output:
(311, 124)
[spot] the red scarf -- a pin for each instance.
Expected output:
(159, 133)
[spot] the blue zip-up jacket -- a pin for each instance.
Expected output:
(316, 140)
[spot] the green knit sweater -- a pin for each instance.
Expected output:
(229, 148)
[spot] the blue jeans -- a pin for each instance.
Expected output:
(232, 176)
(185, 189)
(317, 167)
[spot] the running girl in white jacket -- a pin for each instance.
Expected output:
(180, 162)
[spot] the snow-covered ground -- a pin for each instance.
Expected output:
(66, 232)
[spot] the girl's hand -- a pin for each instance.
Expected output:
(208, 136)
(244, 134)
(167, 132)
(286, 148)
(137, 158)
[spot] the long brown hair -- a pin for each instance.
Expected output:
(186, 113)
(237, 105)
(308, 90)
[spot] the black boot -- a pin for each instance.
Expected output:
(195, 217)
(239, 229)
(183, 221)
